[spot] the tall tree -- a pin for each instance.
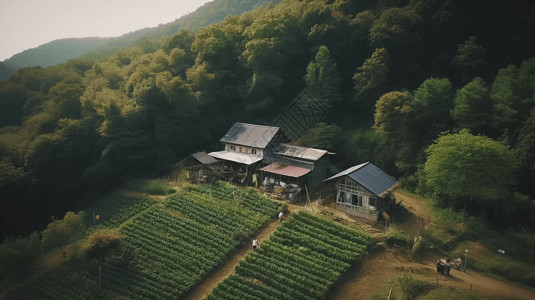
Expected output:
(322, 81)
(463, 166)
(513, 97)
(394, 116)
(432, 102)
(371, 78)
(473, 107)
(470, 61)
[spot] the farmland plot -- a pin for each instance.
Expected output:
(302, 260)
(166, 249)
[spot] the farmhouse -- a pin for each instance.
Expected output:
(245, 146)
(363, 190)
(294, 169)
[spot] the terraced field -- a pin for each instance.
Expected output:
(167, 248)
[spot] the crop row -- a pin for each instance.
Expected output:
(114, 209)
(228, 219)
(300, 260)
(165, 251)
(248, 198)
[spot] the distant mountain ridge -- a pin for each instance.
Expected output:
(61, 50)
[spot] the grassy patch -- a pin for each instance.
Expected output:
(151, 186)
(404, 287)
(449, 293)
(395, 236)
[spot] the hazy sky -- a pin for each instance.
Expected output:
(27, 24)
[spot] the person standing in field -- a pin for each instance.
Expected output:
(255, 244)
(280, 217)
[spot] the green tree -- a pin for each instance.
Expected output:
(60, 232)
(513, 96)
(463, 166)
(470, 61)
(432, 103)
(473, 107)
(394, 116)
(322, 80)
(371, 78)
(324, 136)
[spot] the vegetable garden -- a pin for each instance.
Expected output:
(302, 260)
(166, 249)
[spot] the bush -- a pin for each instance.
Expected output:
(397, 237)
(411, 288)
(102, 244)
(17, 256)
(61, 232)
(156, 187)
(449, 293)
(418, 248)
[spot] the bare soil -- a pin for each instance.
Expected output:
(382, 264)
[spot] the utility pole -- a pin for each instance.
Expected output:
(465, 259)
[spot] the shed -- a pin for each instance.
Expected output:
(363, 190)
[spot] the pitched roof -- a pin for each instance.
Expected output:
(204, 158)
(286, 170)
(242, 158)
(370, 177)
(300, 152)
(251, 135)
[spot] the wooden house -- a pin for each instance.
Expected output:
(245, 146)
(198, 166)
(294, 170)
(363, 190)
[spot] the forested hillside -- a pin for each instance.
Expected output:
(388, 76)
(60, 51)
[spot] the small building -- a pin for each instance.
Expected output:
(364, 190)
(316, 160)
(198, 166)
(296, 169)
(245, 146)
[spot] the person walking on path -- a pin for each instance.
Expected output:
(255, 244)
(281, 215)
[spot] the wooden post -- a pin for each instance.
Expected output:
(43, 255)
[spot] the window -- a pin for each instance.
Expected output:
(232, 148)
(253, 151)
(371, 202)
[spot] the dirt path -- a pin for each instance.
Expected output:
(202, 290)
(381, 264)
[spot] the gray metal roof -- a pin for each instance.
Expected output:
(370, 177)
(251, 135)
(204, 158)
(300, 152)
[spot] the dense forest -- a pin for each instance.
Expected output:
(62, 50)
(391, 77)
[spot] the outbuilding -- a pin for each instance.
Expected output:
(364, 190)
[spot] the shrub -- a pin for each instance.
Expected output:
(60, 232)
(449, 293)
(398, 237)
(410, 287)
(102, 243)
(156, 187)
(18, 255)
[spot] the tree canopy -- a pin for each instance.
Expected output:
(463, 166)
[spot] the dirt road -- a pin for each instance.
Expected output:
(382, 264)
